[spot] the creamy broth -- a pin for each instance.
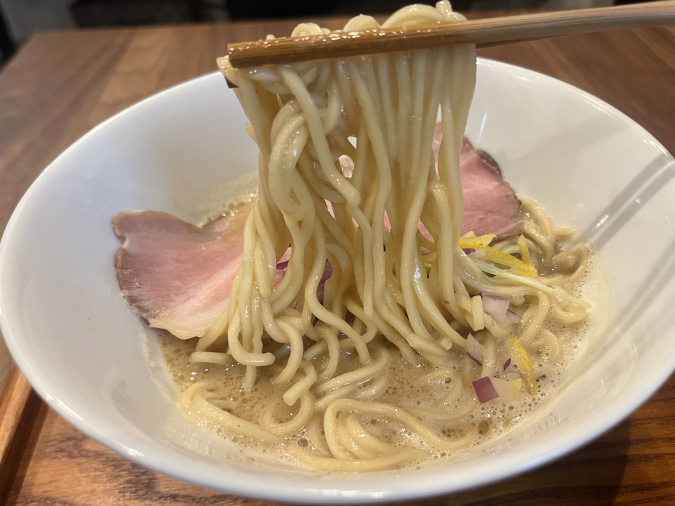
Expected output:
(405, 386)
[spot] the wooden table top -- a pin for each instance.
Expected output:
(62, 84)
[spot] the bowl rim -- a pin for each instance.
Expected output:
(415, 488)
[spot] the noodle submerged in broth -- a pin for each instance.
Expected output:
(420, 345)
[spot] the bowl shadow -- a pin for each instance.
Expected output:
(590, 476)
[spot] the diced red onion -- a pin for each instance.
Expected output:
(281, 266)
(327, 272)
(512, 317)
(507, 363)
(485, 390)
(474, 350)
(468, 251)
(498, 309)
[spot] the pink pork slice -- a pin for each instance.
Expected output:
(490, 204)
(176, 275)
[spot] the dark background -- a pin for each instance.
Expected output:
(19, 19)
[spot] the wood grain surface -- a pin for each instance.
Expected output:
(60, 85)
(12, 404)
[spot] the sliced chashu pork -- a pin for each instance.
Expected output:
(490, 204)
(178, 276)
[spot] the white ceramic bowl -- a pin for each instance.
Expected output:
(97, 364)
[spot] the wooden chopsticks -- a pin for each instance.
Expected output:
(483, 32)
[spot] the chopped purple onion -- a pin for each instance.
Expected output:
(485, 390)
(507, 363)
(474, 350)
(468, 251)
(327, 272)
(281, 266)
(513, 317)
(498, 309)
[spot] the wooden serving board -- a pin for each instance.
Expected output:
(62, 84)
